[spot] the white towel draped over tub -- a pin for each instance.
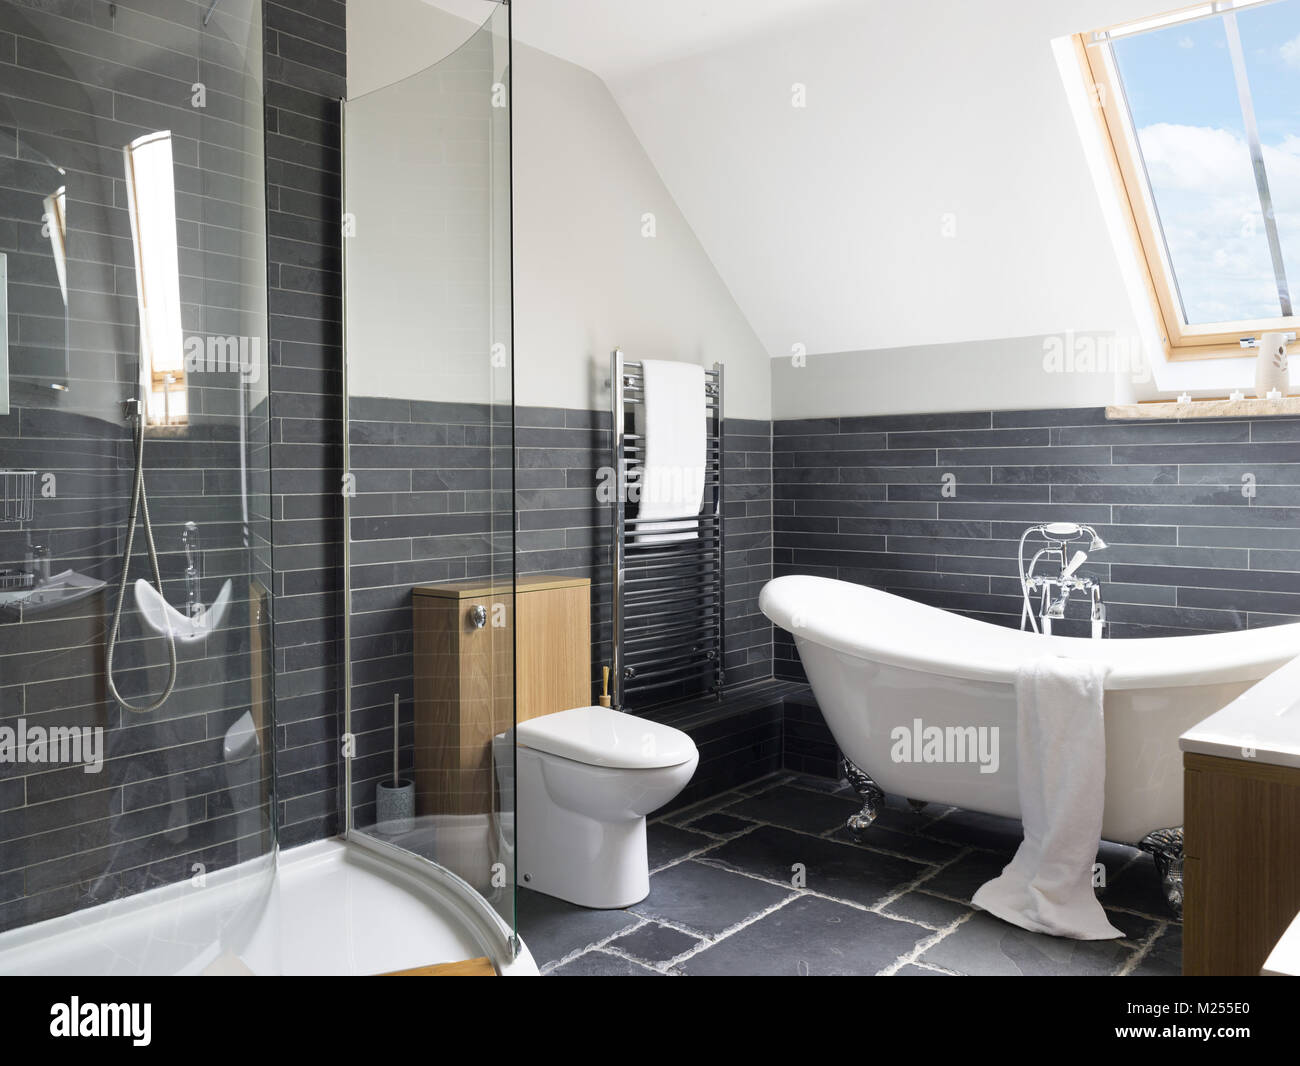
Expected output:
(1061, 752)
(671, 423)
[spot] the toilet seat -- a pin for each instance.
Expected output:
(599, 736)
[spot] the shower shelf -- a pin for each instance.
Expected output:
(1217, 408)
(17, 495)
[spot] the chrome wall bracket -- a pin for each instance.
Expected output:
(873, 797)
(1166, 847)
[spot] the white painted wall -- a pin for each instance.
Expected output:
(829, 221)
(934, 192)
(925, 222)
(427, 238)
(389, 40)
(586, 279)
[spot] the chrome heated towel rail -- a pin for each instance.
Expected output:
(669, 599)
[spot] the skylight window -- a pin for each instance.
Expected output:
(1203, 113)
(151, 196)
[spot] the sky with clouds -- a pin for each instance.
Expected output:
(1183, 98)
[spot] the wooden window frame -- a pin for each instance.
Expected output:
(1214, 340)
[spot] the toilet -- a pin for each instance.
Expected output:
(586, 779)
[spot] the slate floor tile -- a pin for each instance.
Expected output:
(923, 907)
(723, 825)
(1165, 959)
(1137, 888)
(796, 808)
(988, 946)
(830, 868)
(552, 928)
(914, 846)
(667, 843)
(809, 937)
(655, 943)
(824, 784)
(1134, 927)
(706, 899)
(602, 964)
(962, 878)
(763, 829)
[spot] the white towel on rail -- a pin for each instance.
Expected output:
(671, 423)
(1061, 760)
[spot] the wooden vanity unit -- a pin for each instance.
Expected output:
(464, 636)
(1241, 868)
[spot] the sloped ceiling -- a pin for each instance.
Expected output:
(932, 190)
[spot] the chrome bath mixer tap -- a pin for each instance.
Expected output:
(1053, 590)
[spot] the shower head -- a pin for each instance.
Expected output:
(1097, 543)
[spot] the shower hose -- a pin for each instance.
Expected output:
(139, 509)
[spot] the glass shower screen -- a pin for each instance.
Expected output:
(428, 488)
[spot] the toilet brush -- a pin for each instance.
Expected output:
(395, 802)
(604, 695)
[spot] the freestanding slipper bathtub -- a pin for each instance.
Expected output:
(883, 668)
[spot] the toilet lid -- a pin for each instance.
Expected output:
(599, 736)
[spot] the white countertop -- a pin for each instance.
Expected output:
(1260, 725)
(1284, 960)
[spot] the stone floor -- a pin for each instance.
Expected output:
(726, 897)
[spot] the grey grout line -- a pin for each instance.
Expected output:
(1143, 950)
(732, 930)
(594, 945)
(924, 945)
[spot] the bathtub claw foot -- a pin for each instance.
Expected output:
(873, 798)
(1166, 847)
(917, 805)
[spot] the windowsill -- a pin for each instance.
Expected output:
(1249, 407)
(1195, 355)
(173, 431)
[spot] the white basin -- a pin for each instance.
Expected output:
(60, 590)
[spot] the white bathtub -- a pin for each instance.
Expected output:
(327, 908)
(877, 662)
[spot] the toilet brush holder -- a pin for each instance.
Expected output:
(395, 807)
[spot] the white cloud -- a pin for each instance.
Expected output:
(1209, 209)
(1291, 52)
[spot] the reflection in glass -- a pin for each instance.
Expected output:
(430, 440)
(55, 223)
(151, 197)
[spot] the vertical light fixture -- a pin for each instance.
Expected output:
(151, 197)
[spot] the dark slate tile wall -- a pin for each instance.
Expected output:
(77, 81)
(424, 512)
(739, 738)
(306, 71)
(860, 499)
(747, 499)
(563, 529)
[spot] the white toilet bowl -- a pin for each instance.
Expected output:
(586, 779)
